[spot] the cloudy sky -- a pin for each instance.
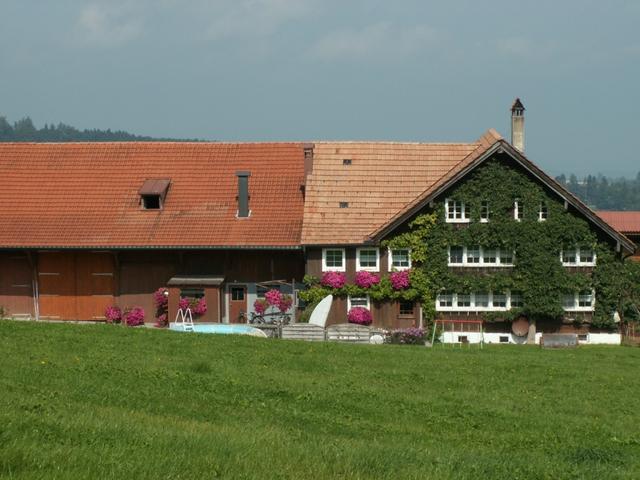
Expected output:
(410, 70)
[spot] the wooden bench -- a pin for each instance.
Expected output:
(303, 331)
(348, 332)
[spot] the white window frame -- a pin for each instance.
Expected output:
(545, 206)
(463, 211)
(390, 259)
(350, 305)
(368, 269)
(325, 268)
(518, 209)
(473, 301)
(483, 204)
(576, 306)
(482, 263)
(578, 262)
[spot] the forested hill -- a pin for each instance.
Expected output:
(25, 131)
(603, 193)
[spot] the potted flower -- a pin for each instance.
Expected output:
(359, 316)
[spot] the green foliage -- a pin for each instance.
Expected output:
(605, 193)
(92, 401)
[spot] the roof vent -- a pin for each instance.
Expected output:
(344, 204)
(153, 193)
(346, 161)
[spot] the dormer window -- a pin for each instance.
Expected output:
(455, 211)
(153, 193)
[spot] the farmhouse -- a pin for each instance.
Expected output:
(409, 231)
(88, 225)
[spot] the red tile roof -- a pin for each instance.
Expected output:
(382, 182)
(87, 194)
(625, 222)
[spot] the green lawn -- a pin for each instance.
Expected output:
(79, 401)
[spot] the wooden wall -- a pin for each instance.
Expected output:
(16, 284)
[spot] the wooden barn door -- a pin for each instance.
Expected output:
(95, 276)
(75, 285)
(237, 303)
(57, 285)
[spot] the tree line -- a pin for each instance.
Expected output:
(604, 193)
(25, 131)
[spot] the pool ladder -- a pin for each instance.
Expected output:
(184, 318)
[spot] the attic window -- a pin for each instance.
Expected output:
(153, 193)
(151, 202)
(346, 161)
(344, 204)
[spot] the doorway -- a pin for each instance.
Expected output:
(237, 304)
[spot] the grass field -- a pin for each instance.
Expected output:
(98, 401)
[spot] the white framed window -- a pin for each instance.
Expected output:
(476, 256)
(543, 212)
(368, 259)
(583, 301)
(515, 300)
(518, 210)
(455, 211)
(484, 211)
(399, 259)
(477, 302)
(578, 257)
(358, 302)
(333, 260)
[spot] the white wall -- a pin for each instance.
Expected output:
(475, 337)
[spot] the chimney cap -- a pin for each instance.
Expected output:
(517, 105)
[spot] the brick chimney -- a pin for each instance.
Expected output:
(517, 125)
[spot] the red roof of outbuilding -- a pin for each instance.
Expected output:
(624, 222)
(87, 194)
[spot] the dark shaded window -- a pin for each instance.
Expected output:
(237, 294)
(151, 202)
(406, 307)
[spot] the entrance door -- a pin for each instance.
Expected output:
(237, 304)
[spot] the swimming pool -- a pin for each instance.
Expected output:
(222, 328)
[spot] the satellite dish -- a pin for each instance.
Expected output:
(520, 327)
(376, 339)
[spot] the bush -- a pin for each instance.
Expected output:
(134, 316)
(333, 279)
(406, 336)
(113, 314)
(366, 279)
(306, 313)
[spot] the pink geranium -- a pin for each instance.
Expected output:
(333, 279)
(113, 314)
(184, 303)
(161, 298)
(400, 280)
(272, 297)
(285, 303)
(134, 316)
(199, 307)
(260, 306)
(360, 316)
(367, 279)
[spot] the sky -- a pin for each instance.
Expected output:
(272, 70)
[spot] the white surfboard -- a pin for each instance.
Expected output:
(321, 312)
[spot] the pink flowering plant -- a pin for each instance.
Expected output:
(333, 279)
(285, 303)
(366, 279)
(400, 280)
(273, 299)
(134, 316)
(161, 302)
(360, 316)
(260, 306)
(198, 306)
(406, 336)
(113, 314)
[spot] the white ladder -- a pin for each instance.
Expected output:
(184, 318)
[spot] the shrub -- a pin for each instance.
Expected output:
(406, 336)
(360, 316)
(333, 279)
(198, 306)
(367, 279)
(399, 280)
(134, 316)
(306, 313)
(113, 314)
(161, 301)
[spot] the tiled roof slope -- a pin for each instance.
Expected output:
(86, 194)
(625, 222)
(382, 181)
